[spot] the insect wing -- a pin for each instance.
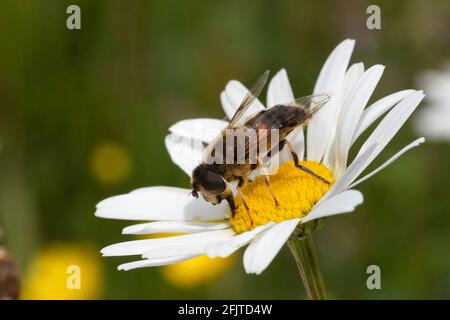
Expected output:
(249, 98)
(285, 118)
(310, 103)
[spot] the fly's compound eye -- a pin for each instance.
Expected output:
(213, 182)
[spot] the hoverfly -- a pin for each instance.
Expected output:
(212, 180)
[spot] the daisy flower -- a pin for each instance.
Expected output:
(303, 200)
(434, 120)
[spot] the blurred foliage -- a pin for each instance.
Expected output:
(136, 67)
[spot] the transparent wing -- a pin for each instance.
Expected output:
(285, 118)
(251, 95)
(309, 104)
(312, 102)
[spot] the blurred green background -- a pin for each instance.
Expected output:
(83, 115)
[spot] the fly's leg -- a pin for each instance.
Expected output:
(298, 165)
(266, 180)
(241, 182)
(230, 199)
(232, 205)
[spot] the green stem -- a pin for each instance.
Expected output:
(308, 265)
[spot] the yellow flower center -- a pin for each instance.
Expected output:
(295, 190)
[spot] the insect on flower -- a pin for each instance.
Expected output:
(264, 228)
(249, 143)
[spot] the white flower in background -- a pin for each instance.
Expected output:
(331, 133)
(433, 121)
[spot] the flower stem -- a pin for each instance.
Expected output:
(308, 266)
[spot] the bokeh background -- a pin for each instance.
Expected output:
(83, 115)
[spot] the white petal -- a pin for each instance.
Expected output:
(374, 111)
(154, 262)
(232, 97)
(352, 110)
(225, 248)
(322, 125)
(279, 90)
(136, 247)
(160, 203)
(349, 175)
(413, 144)
(297, 140)
(390, 125)
(352, 76)
(187, 244)
(381, 136)
(341, 203)
(319, 141)
(263, 250)
(333, 70)
(185, 152)
(199, 129)
(174, 227)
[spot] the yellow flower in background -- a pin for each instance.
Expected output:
(110, 163)
(195, 272)
(64, 272)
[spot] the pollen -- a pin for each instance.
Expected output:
(295, 190)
